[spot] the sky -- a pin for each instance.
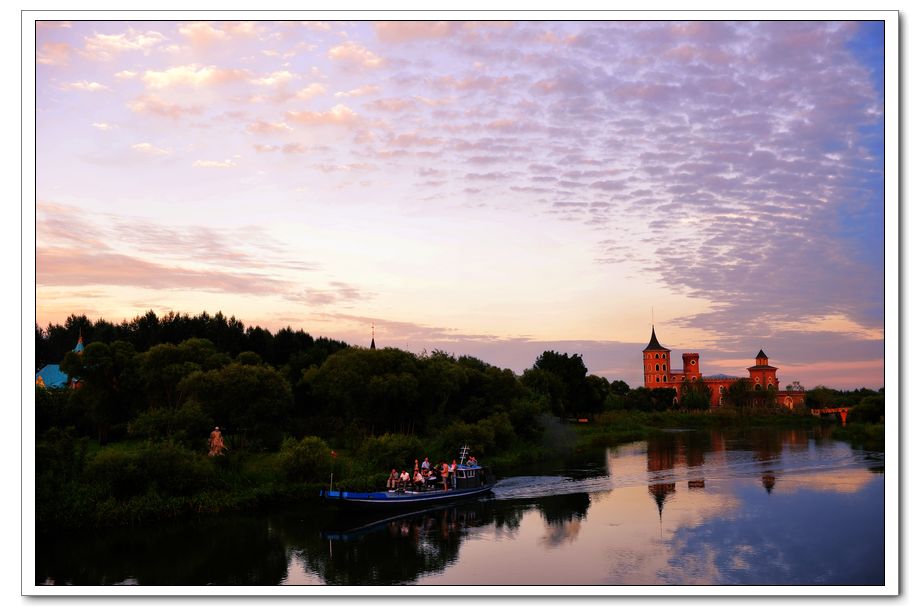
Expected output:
(486, 188)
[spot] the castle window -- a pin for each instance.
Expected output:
(692, 362)
(656, 356)
(692, 378)
(657, 368)
(665, 378)
(756, 379)
(657, 379)
(721, 389)
(769, 385)
(720, 399)
(757, 386)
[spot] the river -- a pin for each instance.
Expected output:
(753, 507)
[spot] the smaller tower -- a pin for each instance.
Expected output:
(763, 375)
(373, 345)
(691, 366)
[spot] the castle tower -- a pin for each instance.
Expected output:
(373, 345)
(656, 364)
(762, 374)
(691, 366)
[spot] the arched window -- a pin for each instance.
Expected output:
(656, 356)
(769, 385)
(721, 389)
(692, 378)
(657, 379)
(665, 378)
(757, 386)
(657, 368)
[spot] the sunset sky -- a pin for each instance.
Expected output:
(485, 188)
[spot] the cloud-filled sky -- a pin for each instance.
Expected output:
(491, 188)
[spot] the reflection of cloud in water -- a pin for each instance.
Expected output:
(557, 534)
(787, 538)
(845, 481)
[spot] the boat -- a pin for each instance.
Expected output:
(470, 479)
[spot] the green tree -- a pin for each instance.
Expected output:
(740, 394)
(563, 379)
(107, 383)
(694, 395)
(254, 401)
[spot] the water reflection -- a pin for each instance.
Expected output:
(685, 507)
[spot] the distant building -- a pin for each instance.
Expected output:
(51, 375)
(656, 365)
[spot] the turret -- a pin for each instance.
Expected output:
(656, 363)
(691, 365)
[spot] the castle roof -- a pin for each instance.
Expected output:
(761, 355)
(720, 377)
(653, 344)
(763, 367)
(52, 376)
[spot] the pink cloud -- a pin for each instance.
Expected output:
(57, 267)
(153, 105)
(192, 75)
(406, 31)
(106, 46)
(354, 55)
(340, 115)
(261, 127)
(53, 54)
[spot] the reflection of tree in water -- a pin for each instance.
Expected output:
(394, 552)
(236, 550)
(564, 507)
(563, 515)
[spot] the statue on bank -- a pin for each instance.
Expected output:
(216, 444)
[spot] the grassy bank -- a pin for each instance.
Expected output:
(864, 436)
(617, 427)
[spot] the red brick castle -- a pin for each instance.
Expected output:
(656, 364)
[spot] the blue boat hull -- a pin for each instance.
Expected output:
(391, 501)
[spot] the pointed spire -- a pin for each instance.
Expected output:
(653, 344)
(373, 345)
(79, 347)
(761, 355)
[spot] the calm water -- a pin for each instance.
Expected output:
(690, 507)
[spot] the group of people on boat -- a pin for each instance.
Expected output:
(427, 476)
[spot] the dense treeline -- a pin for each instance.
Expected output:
(130, 442)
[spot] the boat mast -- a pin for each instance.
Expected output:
(463, 451)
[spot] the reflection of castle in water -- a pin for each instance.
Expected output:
(669, 451)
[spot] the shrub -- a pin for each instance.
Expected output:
(162, 467)
(308, 459)
(188, 425)
(869, 410)
(391, 451)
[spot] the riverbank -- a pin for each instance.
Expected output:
(135, 484)
(619, 427)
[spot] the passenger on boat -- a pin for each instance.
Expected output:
(415, 470)
(453, 474)
(426, 465)
(404, 479)
(393, 480)
(445, 470)
(418, 481)
(471, 461)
